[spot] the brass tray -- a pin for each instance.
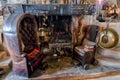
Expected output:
(113, 38)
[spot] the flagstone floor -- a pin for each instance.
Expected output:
(66, 71)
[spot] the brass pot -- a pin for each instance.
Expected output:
(63, 1)
(113, 38)
(44, 35)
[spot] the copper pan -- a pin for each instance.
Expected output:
(113, 39)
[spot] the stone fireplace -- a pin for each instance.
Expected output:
(44, 37)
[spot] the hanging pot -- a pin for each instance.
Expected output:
(113, 38)
(44, 35)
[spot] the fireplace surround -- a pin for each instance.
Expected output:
(25, 45)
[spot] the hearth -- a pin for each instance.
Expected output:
(57, 27)
(34, 34)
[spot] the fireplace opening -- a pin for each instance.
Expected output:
(59, 27)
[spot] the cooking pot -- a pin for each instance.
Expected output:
(113, 38)
(44, 35)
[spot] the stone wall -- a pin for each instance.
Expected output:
(118, 2)
(16, 1)
(1, 21)
(1, 47)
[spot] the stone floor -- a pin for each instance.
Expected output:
(66, 70)
(73, 71)
(62, 69)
